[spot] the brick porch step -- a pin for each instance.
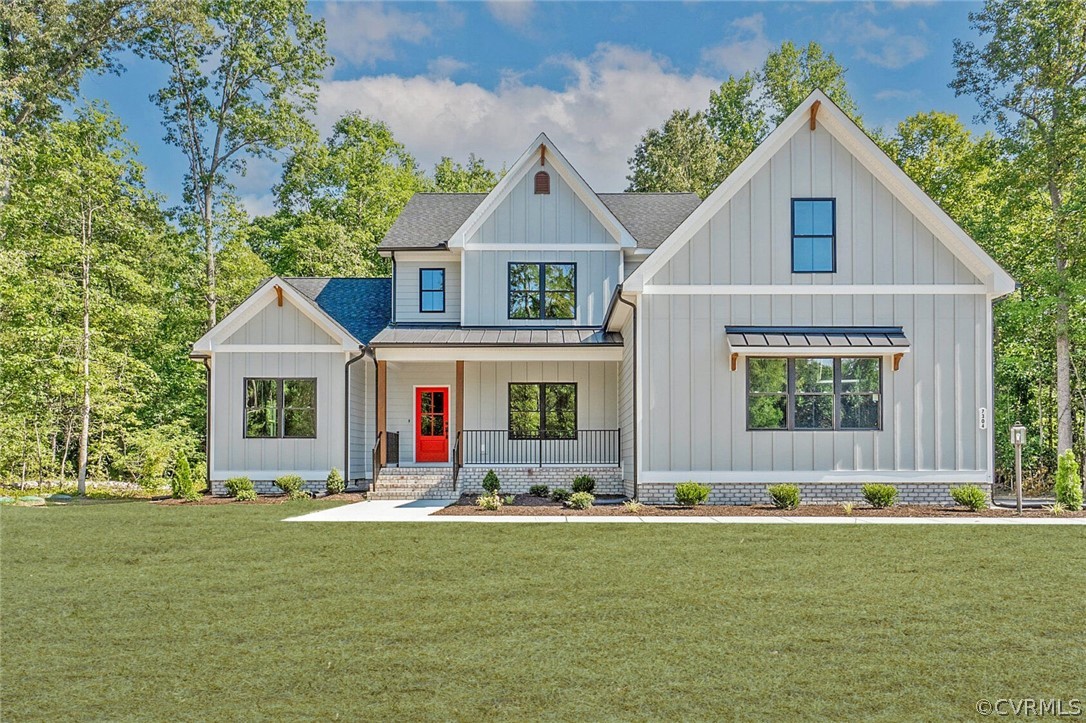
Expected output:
(407, 483)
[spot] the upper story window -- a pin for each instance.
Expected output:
(814, 235)
(281, 408)
(432, 291)
(811, 393)
(542, 291)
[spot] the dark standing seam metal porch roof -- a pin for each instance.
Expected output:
(455, 336)
(816, 337)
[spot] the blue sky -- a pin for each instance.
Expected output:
(454, 78)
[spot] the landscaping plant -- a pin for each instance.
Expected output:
(847, 507)
(509, 499)
(970, 496)
(560, 494)
(581, 500)
(335, 484)
(293, 485)
(584, 483)
(689, 494)
(491, 483)
(248, 495)
(1068, 482)
(236, 486)
(539, 490)
(633, 507)
(489, 502)
(784, 497)
(879, 495)
(182, 486)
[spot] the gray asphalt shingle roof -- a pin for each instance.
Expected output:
(430, 219)
(361, 306)
(454, 336)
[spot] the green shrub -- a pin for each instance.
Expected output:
(784, 497)
(633, 507)
(246, 495)
(236, 485)
(1068, 482)
(489, 502)
(293, 485)
(335, 485)
(581, 500)
(1056, 508)
(182, 485)
(689, 494)
(539, 490)
(970, 496)
(847, 507)
(879, 495)
(584, 483)
(560, 494)
(491, 483)
(509, 499)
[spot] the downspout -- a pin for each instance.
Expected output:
(392, 256)
(207, 423)
(347, 412)
(633, 310)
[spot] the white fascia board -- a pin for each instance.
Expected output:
(505, 353)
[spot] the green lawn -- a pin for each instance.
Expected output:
(135, 611)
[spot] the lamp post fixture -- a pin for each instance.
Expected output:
(1018, 438)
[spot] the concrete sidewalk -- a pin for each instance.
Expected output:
(422, 511)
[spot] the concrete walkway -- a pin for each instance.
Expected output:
(422, 511)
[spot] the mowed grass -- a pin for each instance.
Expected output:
(136, 611)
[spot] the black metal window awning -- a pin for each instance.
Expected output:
(826, 340)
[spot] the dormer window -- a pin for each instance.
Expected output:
(542, 183)
(814, 235)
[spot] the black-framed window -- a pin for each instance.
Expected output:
(542, 290)
(432, 291)
(814, 393)
(543, 409)
(280, 408)
(814, 235)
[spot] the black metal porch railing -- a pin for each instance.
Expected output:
(495, 446)
(375, 459)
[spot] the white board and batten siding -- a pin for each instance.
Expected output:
(694, 406)
(407, 268)
(530, 227)
(403, 379)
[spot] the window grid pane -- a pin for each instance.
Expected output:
(813, 234)
(817, 393)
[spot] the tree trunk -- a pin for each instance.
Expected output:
(1064, 421)
(84, 434)
(209, 249)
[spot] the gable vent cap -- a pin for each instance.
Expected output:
(542, 183)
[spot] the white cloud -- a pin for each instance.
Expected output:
(514, 13)
(896, 94)
(445, 67)
(365, 33)
(596, 118)
(745, 48)
(887, 46)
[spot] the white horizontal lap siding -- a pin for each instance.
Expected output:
(403, 377)
(407, 288)
(694, 415)
(232, 451)
(362, 418)
(280, 325)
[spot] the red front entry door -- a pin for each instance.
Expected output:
(432, 424)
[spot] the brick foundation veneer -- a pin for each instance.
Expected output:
(516, 480)
(266, 487)
(810, 493)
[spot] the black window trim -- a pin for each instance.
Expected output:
(279, 407)
(833, 237)
(790, 395)
(542, 409)
(422, 274)
(542, 290)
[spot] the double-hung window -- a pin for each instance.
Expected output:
(546, 410)
(814, 235)
(285, 408)
(542, 291)
(812, 393)
(432, 291)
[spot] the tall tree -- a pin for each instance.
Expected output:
(737, 119)
(242, 79)
(790, 74)
(1030, 77)
(681, 155)
(472, 177)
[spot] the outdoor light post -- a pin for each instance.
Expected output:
(1018, 438)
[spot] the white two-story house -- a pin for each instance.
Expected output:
(817, 319)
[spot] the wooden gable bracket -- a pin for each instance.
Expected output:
(278, 295)
(814, 113)
(897, 360)
(735, 360)
(542, 154)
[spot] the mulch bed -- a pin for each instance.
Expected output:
(529, 505)
(346, 497)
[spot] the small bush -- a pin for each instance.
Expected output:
(847, 507)
(509, 499)
(970, 496)
(539, 490)
(689, 494)
(1056, 508)
(633, 507)
(335, 484)
(489, 502)
(236, 485)
(560, 494)
(879, 495)
(491, 483)
(581, 500)
(584, 483)
(246, 495)
(784, 497)
(293, 485)
(1068, 482)
(182, 486)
